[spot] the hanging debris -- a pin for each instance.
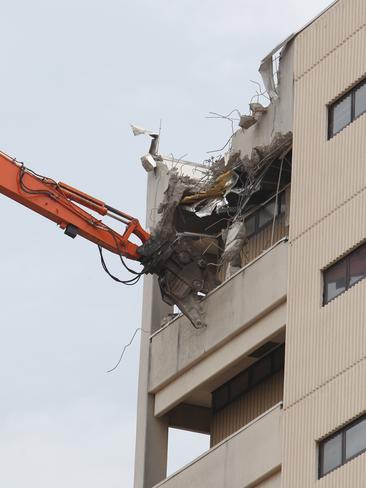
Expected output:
(233, 238)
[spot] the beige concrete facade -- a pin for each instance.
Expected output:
(268, 436)
(325, 345)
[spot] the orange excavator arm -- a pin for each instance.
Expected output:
(181, 270)
(61, 204)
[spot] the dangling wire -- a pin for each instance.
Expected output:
(125, 347)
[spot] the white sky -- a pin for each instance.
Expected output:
(75, 73)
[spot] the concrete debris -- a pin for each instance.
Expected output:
(227, 191)
(173, 195)
(257, 108)
(247, 121)
(260, 156)
(148, 162)
(177, 257)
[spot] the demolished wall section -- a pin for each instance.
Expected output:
(279, 115)
(204, 224)
(198, 241)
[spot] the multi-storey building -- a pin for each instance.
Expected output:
(277, 376)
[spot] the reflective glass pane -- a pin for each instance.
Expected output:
(357, 265)
(239, 385)
(341, 114)
(266, 213)
(331, 454)
(335, 280)
(356, 439)
(360, 100)
(261, 370)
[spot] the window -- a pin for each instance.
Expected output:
(345, 110)
(344, 274)
(262, 369)
(341, 447)
(331, 454)
(264, 215)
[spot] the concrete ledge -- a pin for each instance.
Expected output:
(202, 375)
(240, 461)
(245, 298)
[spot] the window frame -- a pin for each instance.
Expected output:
(347, 260)
(344, 460)
(256, 213)
(339, 100)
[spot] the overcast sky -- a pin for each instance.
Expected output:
(75, 74)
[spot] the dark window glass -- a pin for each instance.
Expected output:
(347, 443)
(249, 378)
(261, 370)
(331, 454)
(342, 114)
(221, 397)
(266, 214)
(342, 275)
(347, 109)
(335, 280)
(356, 439)
(357, 265)
(360, 100)
(239, 385)
(279, 359)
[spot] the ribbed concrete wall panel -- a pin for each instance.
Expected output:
(245, 409)
(314, 417)
(326, 172)
(327, 33)
(323, 340)
(325, 369)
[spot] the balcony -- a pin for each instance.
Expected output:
(242, 313)
(250, 456)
